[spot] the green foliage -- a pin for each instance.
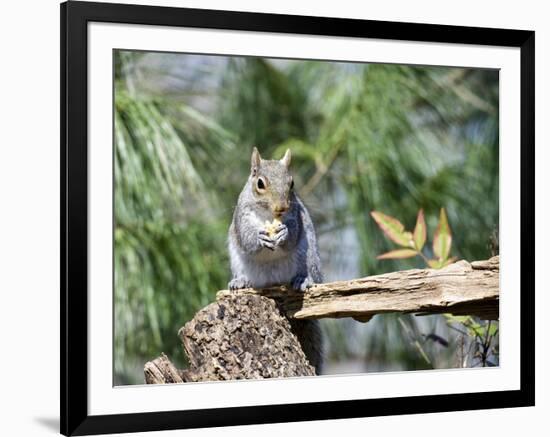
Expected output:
(364, 137)
(169, 237)
(482, 349)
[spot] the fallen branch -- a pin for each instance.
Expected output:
(461, 288)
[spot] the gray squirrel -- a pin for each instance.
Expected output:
(287, 253)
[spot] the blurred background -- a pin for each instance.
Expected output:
(364, 137)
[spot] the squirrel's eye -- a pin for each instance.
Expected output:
(292, 184)
(260, 184)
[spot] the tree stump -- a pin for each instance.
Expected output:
(236, 337)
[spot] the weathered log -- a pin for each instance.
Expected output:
(244, 334)
(461, 288)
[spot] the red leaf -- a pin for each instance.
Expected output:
(393, 229)
(420, 231)
(442, 237)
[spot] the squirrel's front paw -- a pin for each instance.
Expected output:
(264, 240)
(301, 283)
(239, 282)
(281, 234)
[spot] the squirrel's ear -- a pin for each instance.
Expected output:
(255, 160)
(286, 158)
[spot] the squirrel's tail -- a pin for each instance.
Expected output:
(310, 337)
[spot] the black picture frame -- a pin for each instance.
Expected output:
(75, 17)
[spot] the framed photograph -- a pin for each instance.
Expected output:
(274, 218)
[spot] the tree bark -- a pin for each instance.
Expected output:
(162, 371)
(245, 335)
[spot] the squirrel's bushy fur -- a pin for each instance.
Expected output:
(288, 256)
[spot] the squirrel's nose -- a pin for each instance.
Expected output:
(280, 209)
